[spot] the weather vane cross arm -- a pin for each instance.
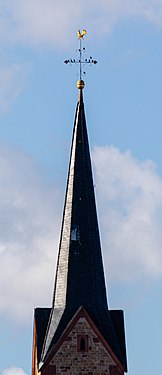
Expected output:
(81, 61)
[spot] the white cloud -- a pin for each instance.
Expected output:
(28, 235)
(130, 201)
(37, 21)
(52, 22)
(12, 80)
(14, 371)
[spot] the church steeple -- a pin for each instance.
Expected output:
(79, 275)
(79, 281)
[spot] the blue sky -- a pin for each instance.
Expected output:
(38, 98)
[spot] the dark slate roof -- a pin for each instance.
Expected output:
(80, 277)
(117, 318)
(41, 316)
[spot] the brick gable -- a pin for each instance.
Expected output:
(94, 360)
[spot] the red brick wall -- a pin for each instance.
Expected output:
(95, 360)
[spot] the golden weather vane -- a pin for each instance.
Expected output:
(81, 61)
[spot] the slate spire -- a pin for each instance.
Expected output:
(79, 276)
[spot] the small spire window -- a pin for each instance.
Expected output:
(75, 234)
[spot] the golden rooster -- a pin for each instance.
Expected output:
(81, 34)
